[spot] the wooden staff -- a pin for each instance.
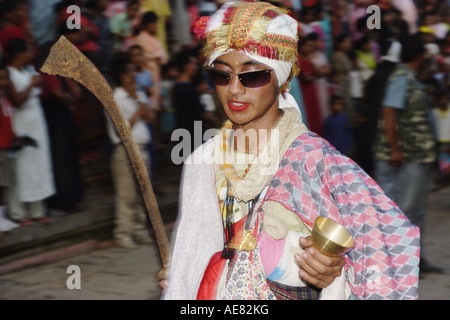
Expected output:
(67, 61)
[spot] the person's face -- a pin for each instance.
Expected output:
(15, 16)
(337, 106)
(151, 27)
(127, 80)
(102, 5)
(247, 107)
(25, 57)
(136, 57)
(346, 44)
(367, 46)
(133, 11)
(191, 67)
(307, 48)
(173, 73)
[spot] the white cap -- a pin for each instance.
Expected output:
(394, 52)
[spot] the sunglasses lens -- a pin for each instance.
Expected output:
(252, 79)
(219, 78)
(255, 79)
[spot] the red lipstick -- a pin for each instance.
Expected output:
(237, 105)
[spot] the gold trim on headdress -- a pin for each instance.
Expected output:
(244, 28)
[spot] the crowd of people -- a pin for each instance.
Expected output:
(52, 125)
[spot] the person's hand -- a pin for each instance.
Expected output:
(36, 81)
(163, 284)
(396, 158)
(317, 268)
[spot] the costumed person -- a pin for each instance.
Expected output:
(250, 194)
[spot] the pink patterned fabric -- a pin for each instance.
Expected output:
(316, 180)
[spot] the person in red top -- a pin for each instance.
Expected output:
(6, 141)
(10, 23)
(6, 132)
(88, 35)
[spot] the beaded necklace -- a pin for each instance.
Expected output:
(228, 167)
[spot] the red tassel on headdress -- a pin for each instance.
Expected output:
(228, 14)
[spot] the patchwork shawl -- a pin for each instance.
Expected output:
(313, 179)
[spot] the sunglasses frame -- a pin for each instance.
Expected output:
(230, 75)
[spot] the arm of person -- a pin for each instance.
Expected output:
(390, 129)
(18, 98)
(394, 100)
(144, 111)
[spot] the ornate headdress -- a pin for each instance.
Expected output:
(261, 30)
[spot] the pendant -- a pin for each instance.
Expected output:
(249, 242)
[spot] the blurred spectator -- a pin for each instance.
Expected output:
(358, 11)
(372, 98)
(144, 78)
(130, 222)
(366, 60)
(115, 7)
(445, 45)
(88, 115)
(336, 127)
(163, 11)
(405, 147)
(10, 24)
(442, 75)
(296, 91)
(207, 7)
(430, 21)
(95, 14)
(145, 84)
(154, 53)
(181, 24)
(409, 13)
(34, 175)
(169, 74)
(393, 25)
(308, 82)
(441, 115)
(7, 138)
(84, 39)
(321, 63)
(59, 96)
(339, 11)
(186, 100)
(43, 20)
(341, 63)
(207, 101)
(121, 24)
(356, 88)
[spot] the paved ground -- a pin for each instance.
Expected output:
(111, 273)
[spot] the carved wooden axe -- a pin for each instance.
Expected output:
(65, 60)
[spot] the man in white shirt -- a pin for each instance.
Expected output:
(130, 218)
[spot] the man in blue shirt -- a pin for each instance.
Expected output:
(405, 147)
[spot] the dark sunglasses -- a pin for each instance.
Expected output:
(250, 79)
